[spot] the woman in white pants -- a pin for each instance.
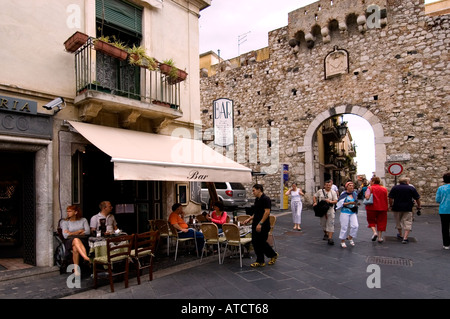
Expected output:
(296, 205)
(349, 203)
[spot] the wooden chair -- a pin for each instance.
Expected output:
(174, 232)
(273, 220)
(233, 238)
(118, 251)
(162, 226)
(211, 233)
(144, 247)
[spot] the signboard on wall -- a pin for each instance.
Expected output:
(223, 122)
(284, 199)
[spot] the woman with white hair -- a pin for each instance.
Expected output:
(348, 202)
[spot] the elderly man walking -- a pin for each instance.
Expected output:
(401, 202)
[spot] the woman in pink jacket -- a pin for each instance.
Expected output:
(218, 216)
(377, 212)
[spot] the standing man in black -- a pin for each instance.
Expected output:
(261, 227)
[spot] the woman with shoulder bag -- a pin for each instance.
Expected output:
(377, 211)
(327, 220)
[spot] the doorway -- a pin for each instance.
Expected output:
(17, 206)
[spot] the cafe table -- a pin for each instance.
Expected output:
(97, 245)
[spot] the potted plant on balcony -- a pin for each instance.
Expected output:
(75, 41)
(139, 57)
(116, 50)
(174, 75)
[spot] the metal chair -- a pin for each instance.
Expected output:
(233, 238)
(174, 233)
(144, 247)
(211, 233)
(118, 250)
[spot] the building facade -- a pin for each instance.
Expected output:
(385, 61)
(47, 164)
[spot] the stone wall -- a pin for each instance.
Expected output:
(397, 79)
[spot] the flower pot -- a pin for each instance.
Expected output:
(75, 41)
(160, 103)
(110, 50)
(172, 79)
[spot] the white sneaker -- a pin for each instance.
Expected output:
(447, 247)
(343, 245)
(352, 242)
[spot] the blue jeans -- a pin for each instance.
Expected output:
(198, 237)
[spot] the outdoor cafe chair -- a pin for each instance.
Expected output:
(211, 234)
(233, 238)
(242, 218)
(164, 231)
(144, 247)
(174, 232)
(118, 250)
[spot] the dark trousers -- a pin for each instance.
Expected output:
(261, 246)
(199, 238)
(445, 224)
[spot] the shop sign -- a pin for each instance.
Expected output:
(17, 105)
(38, 126)
(223, 122)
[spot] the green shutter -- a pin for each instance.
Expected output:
(121, 14)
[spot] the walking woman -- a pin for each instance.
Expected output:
(377, 212)
(443, 198)
(296, 205)
(348, 202)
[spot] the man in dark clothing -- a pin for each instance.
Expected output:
(261, 227)
(401, 202)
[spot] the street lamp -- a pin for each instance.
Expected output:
(342, 129)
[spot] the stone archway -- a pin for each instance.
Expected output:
(308, 149)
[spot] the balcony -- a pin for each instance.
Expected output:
(109, 84)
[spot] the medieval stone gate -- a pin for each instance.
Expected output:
(334, 58)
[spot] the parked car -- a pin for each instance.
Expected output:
(233, 195)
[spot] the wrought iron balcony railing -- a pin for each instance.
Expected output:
(100, 72)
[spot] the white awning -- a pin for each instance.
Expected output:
(145, 156)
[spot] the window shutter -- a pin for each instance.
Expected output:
(120, 14)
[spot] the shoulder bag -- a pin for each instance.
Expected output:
(322, 207)
(370, 200)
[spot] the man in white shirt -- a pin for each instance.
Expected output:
(105, 213)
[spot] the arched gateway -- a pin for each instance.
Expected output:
(311, 181)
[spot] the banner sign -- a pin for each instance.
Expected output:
(223, 122)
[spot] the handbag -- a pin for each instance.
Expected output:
(321, 208)
(368, 201)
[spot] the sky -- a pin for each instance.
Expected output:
(238, 26)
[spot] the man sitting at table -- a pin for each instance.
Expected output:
(176, 219)
(105, 213)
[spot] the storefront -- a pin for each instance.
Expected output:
(141, 174)
(25, 181)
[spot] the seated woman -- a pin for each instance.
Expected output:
(75, 225)
(218, 216)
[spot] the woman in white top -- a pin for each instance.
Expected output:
(296, 205)
(76, 231)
